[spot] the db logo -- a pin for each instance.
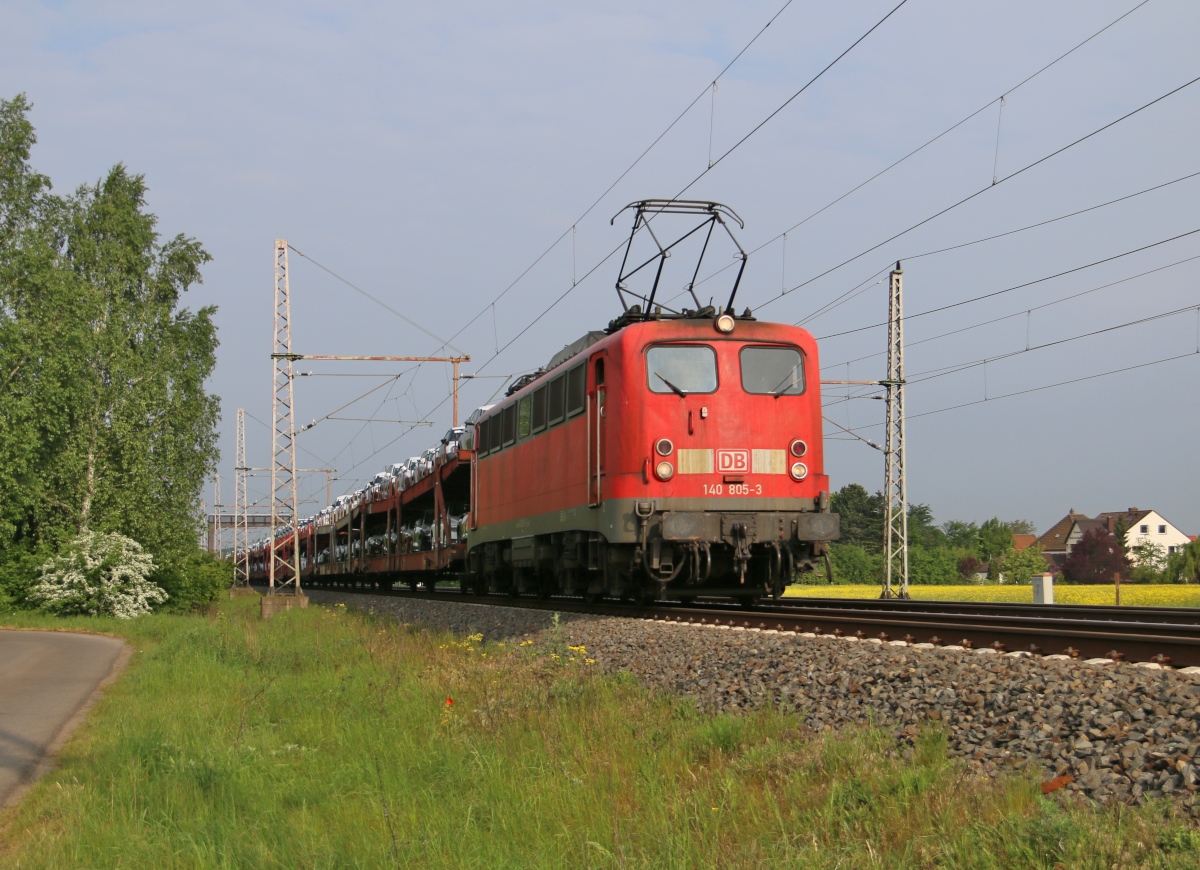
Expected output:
(733, 461)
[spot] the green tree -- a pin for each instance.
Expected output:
(922, 529)
(1149, 561)
(995, 539)
(962, 535)
(106, 425)
(1020, 565)
(862, 516)
(1183, 566)
(1022, 527)
(1121, 533)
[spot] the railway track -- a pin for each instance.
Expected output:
(1164, 635)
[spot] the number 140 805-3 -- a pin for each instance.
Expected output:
(733, 489)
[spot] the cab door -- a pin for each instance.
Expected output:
(597, 428)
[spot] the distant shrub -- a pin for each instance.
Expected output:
(98, 575)
(18, 573)
(853, 564)
(196, 580)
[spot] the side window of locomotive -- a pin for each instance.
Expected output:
(682, 369)
(575, 390)
(523, 417)
(509, 426)
(772, 371)
(482, 430)
(556, 405)
(539, 408)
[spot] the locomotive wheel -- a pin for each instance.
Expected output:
(687, 600)
(593, 597)
(464, 585)
(412, 585)
(748, 602)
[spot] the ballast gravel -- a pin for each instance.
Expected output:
(1125, 732)
(493, 622)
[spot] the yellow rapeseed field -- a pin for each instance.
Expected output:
(1146, 595)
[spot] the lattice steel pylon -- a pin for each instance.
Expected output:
(241, 521)
(283, 467)
(895, 550)
(217, 535)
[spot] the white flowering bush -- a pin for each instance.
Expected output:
(98, 575)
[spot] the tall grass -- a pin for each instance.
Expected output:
(328, 739)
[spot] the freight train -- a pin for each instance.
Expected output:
(670, 456)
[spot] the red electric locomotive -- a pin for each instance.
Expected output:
(675, 454)
(673, 457)
(679, 454)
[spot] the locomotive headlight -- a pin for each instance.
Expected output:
(798, 448)
(724, 324)
(799, 470)
(663, 447)
(664, 471)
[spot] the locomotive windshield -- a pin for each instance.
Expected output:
(682, 369)
(772, 371)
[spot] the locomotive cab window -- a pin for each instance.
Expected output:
(539, 408)
(575, 390)
(682, 369)
(772, 371)
(555, 405)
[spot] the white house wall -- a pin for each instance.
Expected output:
(1167, 539)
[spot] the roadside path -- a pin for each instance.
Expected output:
(47, 679)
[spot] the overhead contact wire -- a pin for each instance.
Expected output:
(995, 293)
(939, 136)
(982, 190)
(855, 291)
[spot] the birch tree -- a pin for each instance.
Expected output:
(107, 425)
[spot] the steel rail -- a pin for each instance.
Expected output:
(1078, 633)
(1174, 615)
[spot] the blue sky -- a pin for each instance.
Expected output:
(429, 153)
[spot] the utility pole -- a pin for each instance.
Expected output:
(895, 581)
(283, 467)
(241, 522)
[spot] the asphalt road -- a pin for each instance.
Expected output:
(47, 679)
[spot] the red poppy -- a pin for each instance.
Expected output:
(449, 702)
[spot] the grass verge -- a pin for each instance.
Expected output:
(330, 739)
(1132, 594)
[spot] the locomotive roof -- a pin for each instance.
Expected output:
(574, 347)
